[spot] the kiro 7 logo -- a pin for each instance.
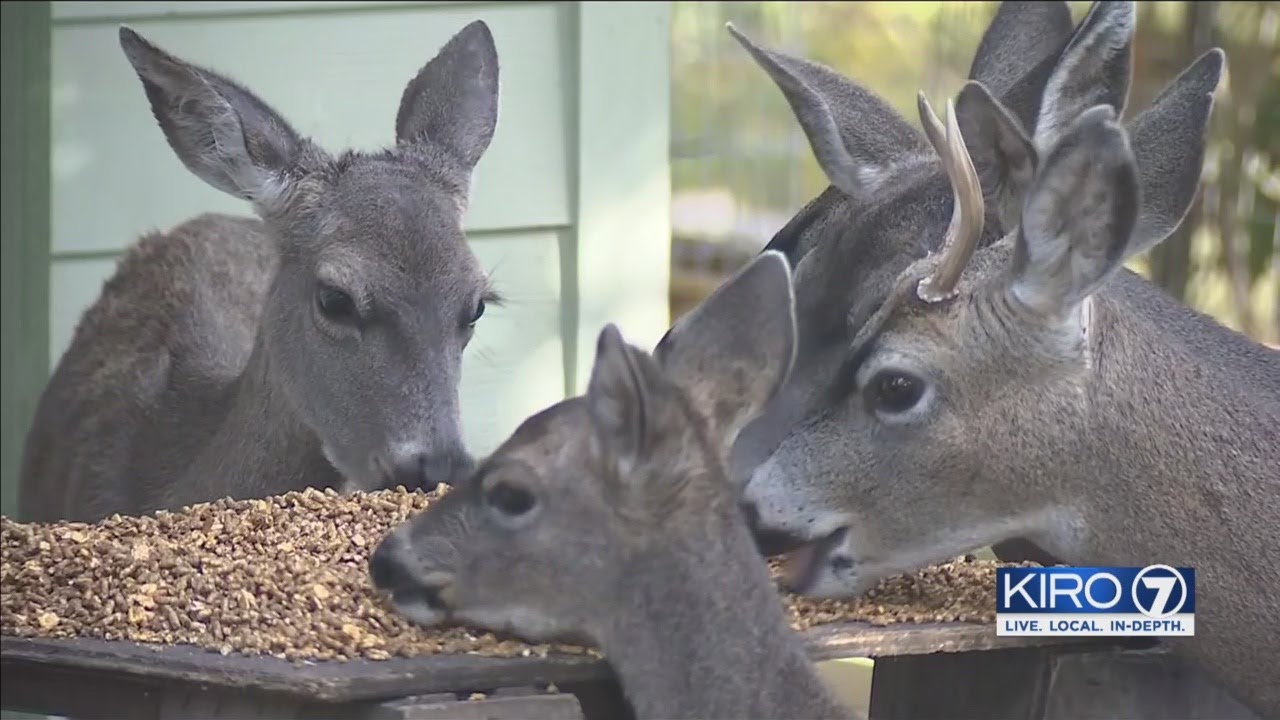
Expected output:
(1152, 601)
(1159, 591)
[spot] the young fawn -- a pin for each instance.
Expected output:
(317, 345)
(609, 519)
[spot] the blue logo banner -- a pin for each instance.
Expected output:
(1153, 601)
(1154, 591)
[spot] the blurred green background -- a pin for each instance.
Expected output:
(741, 166)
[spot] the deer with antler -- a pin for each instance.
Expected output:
(888, 191)
(1022, 383)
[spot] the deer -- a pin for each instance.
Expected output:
(609, 519)
(875, 159)
(318, 344)
(873, 155)
(1029, 385)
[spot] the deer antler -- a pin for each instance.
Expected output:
(965, 229)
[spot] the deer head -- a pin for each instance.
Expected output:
(888, 200)
(549, 536)
(933, 435)
(377, 291)
(891, 199)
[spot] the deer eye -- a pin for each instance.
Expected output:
(508, 499)
(479, 312)
(895, 392)
(335, 304)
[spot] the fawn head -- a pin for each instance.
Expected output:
(377, 291)
(543, 539)
(936, 433)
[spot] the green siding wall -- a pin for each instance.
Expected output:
(570, 205)
(24, 226)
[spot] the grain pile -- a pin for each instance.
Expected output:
(959, 591)
(287, 576)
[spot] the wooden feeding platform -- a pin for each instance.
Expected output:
(263, 608)
(921, 671)
(125, 679)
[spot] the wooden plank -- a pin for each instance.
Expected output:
(524, 707)
(330, 681)
(44, 691)
(844, 640)
(337, 77)
(363, 679)
(111, 697)
(24, 228)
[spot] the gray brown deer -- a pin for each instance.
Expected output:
(319, 344)
(869, 224)
(877, 161)
(609, 518)
(1021, 382)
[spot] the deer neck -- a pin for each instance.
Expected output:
(261, 446)
(706, 635)
(1181, 422)
(1181, 466)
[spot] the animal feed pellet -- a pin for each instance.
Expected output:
(287, 576)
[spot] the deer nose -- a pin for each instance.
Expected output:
(411, 473)
(769, 543)
(449, 466)
(426, 471)
(392, 574)
(386, 569)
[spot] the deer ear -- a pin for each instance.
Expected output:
(1168, 141)
(854, 134)
(1078, 217)
(223, 133)
(1002, 154)
(1019, 38)
(617, 395)
(733, 351)
(1094, 69)
(453, 101)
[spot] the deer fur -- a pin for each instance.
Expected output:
(1054, 395)
(319, 344)
(609, 518)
